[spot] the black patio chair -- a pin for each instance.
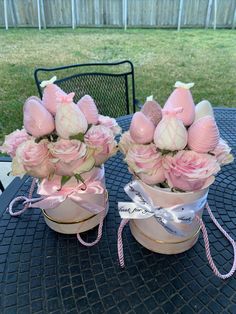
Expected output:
(111, 85)
(1, 187)
(4, 159)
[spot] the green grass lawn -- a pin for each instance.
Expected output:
(160, 58)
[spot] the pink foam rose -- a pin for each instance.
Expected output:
(70, 157)
(126, 142)
(190, 171)
(222, 153)
(110, 123)
(35, 158)
(146, 163)
(13, 140)
(101, 140)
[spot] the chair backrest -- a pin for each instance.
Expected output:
(111, 85)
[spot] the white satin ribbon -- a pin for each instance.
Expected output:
(142, 207)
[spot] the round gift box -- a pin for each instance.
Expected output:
(153, 236)
(76, 219)
(71, 218)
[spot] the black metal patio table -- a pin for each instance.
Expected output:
(46, 272)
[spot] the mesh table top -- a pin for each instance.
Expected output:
(42, 271)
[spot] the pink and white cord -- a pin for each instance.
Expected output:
(207, 245)
(27, 201)
(120, 242)
(206, 241)
(99, 232)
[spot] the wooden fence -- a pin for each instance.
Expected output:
(118, 13)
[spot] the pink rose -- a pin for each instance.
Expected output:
(70, 157)
(34, 157)
(13, 140)
(110, 123)
(190, 171)
(146, 163)
(222, 153)
(125, 142)
(101, 140)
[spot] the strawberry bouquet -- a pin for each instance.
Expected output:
(64, 145)
(174, 154)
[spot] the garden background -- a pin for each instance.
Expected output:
(206, 57)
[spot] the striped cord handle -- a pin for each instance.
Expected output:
(26, 200)
(120, 249)
(99, 232)
(207, 245)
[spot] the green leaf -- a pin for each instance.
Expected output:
(64, 179)
(177, 190)
(166, 152)
(89, 126)
(39, 139)
(164, 185)
(79, 137)
(79, 178)
(53, 137)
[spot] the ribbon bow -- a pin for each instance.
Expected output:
(89, 195)
(46, 83)
(179, 84)
(65, 99)
(142, 207)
